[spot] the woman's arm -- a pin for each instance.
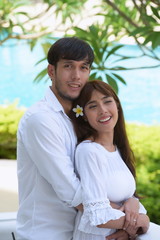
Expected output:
(139, 226)
(132, 220)
(114, 224)
(97, 208)
(130, 208)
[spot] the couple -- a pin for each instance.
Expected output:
(55, 181)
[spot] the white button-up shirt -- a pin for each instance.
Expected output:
(48, 186)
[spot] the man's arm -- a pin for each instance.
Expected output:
(46, 148)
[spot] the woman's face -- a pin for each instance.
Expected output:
(101, 112)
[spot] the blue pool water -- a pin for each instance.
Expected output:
(140, 98)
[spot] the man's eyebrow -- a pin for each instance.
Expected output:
(86, 63)
(67, 61)
(71, 61)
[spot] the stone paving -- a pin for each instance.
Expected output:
(8, 198)
(8, 186)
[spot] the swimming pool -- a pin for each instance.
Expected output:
(140, 98)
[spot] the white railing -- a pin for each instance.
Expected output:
(7, 225)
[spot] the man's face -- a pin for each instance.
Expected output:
(68, 78)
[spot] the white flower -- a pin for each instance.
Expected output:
(78, 110)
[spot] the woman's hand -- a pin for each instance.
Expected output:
(131, 210)
(141, 226)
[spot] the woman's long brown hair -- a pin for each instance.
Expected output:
(84, 130)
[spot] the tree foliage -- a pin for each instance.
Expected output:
(106, 24)
(135, 18)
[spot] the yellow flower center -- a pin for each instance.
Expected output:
(79, 110)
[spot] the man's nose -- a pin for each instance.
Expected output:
(76, 73)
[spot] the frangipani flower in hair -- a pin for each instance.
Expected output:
(78, 110)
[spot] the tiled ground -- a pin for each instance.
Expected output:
(8, 186)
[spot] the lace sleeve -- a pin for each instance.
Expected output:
(97, 213)
(97, 208)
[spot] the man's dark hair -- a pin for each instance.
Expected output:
(70, 48)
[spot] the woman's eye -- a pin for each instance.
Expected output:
(108, 101)
(93, 106)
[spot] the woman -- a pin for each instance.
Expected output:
(105, 166)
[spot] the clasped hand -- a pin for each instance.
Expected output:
(131, 209)
(134, 222)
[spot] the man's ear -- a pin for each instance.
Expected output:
(51, 71)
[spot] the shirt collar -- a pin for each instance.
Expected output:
(53, 102)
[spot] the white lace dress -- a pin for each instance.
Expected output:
(104, 177)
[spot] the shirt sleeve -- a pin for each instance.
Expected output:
(142, 208)
(97, 208)
(43, 139)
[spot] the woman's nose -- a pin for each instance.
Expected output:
(103, 109)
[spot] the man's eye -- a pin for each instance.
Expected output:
(85, 67)
(67, 65)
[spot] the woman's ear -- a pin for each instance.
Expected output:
(85, 119)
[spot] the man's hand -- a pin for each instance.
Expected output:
(132, 231)
(119, 235)
(80, 207)
(143, 223)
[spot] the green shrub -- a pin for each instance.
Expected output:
(9, 119)
(145, 142)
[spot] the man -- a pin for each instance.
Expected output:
(49, 190)
(48, 187)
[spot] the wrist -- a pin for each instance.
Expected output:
(133, 197)
(133, 237)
